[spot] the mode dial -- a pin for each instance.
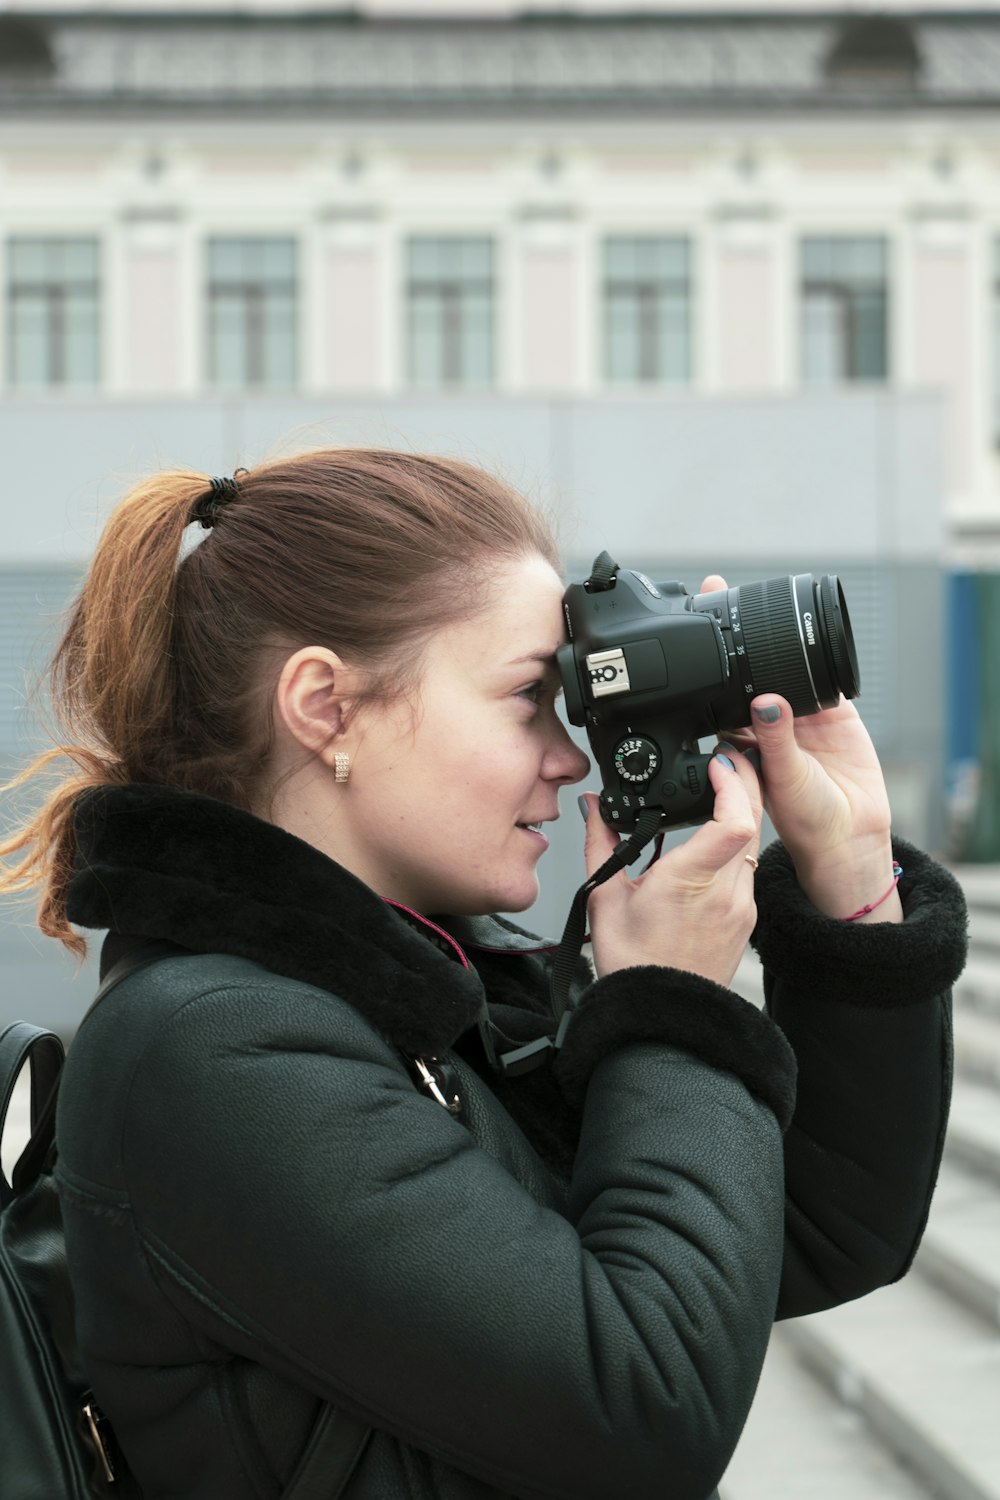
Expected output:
(637, 759)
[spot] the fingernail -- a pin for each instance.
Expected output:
(725, 761)
(584, 807)
(723, 749)
(768, 715)
(753, 756)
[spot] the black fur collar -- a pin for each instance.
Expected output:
(160, 863)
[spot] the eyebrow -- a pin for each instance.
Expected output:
(542, 656)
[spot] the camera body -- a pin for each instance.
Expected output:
(650, 669)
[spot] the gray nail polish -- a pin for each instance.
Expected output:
(769, 715)
(722, 748)
(753, 756)
(724, 760)
(581, 803)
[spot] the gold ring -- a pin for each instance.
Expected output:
(750, 861)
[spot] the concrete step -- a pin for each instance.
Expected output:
(984, 929)
(977, 1044)
(802, 1442)
(910, 1368)
(981, 884)
(924, 1372)
(978, 986)
(960, 1252)
(973, 1139)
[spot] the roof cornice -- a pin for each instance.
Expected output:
(334, 63)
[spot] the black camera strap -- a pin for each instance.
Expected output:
(523, 1059)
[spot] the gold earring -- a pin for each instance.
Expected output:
(341, 766)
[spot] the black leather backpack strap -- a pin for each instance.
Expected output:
(22, 1044)
(138, 956)
(337, 1441)
(331, 1455)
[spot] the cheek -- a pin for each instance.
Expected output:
(512, 758)
(492, 765)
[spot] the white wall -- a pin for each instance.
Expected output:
(675, 476)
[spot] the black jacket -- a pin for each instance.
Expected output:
(567, 1290)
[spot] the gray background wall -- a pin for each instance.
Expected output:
(847, 482)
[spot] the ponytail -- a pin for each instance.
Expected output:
(112, 669)
(110, 679)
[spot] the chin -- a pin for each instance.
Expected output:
(514, 897)
(517, 899)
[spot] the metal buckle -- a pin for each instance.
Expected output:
(429, 1082)
(95, 1421)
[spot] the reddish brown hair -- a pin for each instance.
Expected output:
(165, 670)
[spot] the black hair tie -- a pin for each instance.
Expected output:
(222, 490)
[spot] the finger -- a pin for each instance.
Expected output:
(733, 830)
(746, 762)
(601, 841)
(746, 769)
(713, 583)
(782, 758)
(745, 741)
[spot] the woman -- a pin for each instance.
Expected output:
(312, 757)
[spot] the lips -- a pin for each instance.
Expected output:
(536, 826)
(534, 831)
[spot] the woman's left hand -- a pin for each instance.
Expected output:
(826, 796)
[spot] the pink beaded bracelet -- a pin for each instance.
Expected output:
(897, 871)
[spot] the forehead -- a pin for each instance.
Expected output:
(524, 616)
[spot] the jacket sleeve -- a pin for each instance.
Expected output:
(348, 1232)
(867, 1010)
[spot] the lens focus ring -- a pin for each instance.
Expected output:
(773, 644)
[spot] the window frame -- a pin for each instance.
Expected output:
(252, 298)
(652, 291)
(55, 295)
(454, 289)
(843, 292)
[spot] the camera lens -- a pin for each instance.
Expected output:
(789, 635)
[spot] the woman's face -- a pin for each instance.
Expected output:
(444, 790)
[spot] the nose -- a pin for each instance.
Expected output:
(564, 761)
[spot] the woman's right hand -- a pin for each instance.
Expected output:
(694, 909)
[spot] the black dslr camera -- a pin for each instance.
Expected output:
(650, 669)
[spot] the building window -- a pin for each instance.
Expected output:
(251, 312)
(647, 309)
(53, 332)
(450, 310)
(844, 309)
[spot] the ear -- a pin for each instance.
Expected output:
(311, 699)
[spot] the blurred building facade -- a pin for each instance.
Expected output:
(322, 204)
(726, 290)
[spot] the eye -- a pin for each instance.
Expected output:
(532, 691)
